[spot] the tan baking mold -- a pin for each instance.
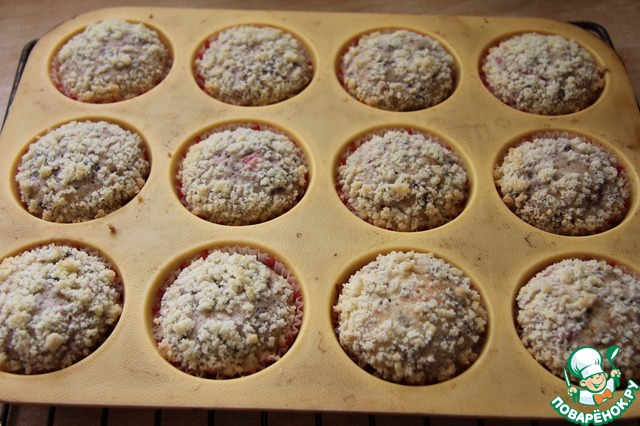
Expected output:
(319, 239)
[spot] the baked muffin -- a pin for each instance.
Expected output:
(81, 171)
(411, 318)
(542, 74)
(397, 70)
(229, 313)
(242, 176)
(57, 305)
(564, 184)
(403, 181)
(252, 65)
(110, 61)
(581, 302)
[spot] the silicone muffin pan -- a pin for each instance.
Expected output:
(319, 239)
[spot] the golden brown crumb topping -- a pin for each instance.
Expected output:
(398, 70)
(81, 171)
(403, 181)
(564, 184)
(542, 74)
(111, 61)
(579, 302)
(226, 315)
(253, 65)
(57, 304)
(242, 176)
(412, 318)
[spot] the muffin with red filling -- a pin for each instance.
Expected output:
(58, 303)
(411, 318)
(253, 65)
(564, 184)
(82, 170)
(111, 61)
(397, 70)
(227, 313)
(242, 175)
(402, 180)
(581, 302)
(542, 74)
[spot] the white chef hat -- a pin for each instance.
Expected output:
(585, 362)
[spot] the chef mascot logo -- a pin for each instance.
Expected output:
(596, 388)
(586, 364)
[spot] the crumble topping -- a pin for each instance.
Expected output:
(242, 176)
(226, 315)
(579, 302)
(398, 70)
(253, 65)
(111, 61)
(81, 171)
(57, 304)
(403, 181)
(564, 184)
(543, 74)
(412, 318)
